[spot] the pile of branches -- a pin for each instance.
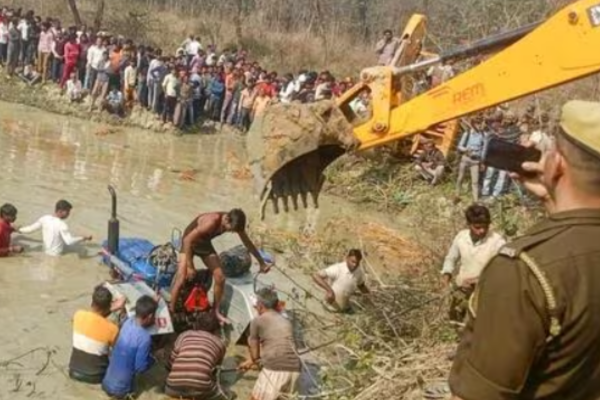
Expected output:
(397, 338)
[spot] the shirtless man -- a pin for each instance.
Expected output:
(197, 241)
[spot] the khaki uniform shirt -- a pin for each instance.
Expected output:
(504, 353)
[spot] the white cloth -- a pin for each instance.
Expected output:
(343, 282)
(541, 140)
(287, 93)
(95, 57)
(25, 28)
(55, 234)
(473, 257)
(193, 47)
(74, 89)
(3, 33)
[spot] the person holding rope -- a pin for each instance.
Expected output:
(272, 348)
(341, 280)
(195, 357)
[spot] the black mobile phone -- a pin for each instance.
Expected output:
(509, 156)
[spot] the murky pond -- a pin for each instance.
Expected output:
(44, 158)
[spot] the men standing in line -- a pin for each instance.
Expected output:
(534, 330)
(341, 280)
(55, 231)
(471, 250)
(272, 346)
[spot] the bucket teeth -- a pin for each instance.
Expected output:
(289, 148)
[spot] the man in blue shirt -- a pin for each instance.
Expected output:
(471, 147)
(131, 353)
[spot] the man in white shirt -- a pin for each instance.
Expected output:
(95, 59)
(341, 280)
(471, 250)
(55, 231)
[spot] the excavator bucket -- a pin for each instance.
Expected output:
(290, 146)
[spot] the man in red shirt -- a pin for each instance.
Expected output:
(8, 215)
(72, 53)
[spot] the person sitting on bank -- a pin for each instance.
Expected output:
(93, 336)
(195, 356)
(55, 231)
(29, 75)
(197, 241)
(341, 280)
(74, 88)
(471, 249)
(271, 342)
(131, 353)
(115, 103)
(431, 163)
(8, 216)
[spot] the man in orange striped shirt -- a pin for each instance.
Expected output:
(93, 336)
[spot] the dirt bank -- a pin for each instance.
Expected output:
(48, 97)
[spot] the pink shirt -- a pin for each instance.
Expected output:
(45, 45)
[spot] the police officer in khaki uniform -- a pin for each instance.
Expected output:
(535, 326)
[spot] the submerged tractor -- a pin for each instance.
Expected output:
(291, 145)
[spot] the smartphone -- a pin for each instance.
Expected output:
(509, 156)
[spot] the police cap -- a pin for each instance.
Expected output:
(580, 121)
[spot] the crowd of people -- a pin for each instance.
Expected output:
(197, 82)
(532, 129)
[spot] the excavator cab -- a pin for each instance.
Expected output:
(291, 145)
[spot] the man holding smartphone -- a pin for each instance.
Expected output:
(533, 329)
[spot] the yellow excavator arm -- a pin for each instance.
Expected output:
(289, 162)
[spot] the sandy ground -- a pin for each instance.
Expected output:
(44, 158)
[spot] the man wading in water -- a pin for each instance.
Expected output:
(197, 241)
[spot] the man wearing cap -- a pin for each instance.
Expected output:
(533, 330)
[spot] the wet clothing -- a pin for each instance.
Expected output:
(55, 234)
(343, 282)
(130, 357)
(515, 346)
(204, 246)
(6, 230)
(195, 356)
(276, 337)
(93, 336)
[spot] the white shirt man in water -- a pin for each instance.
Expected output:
(55, 231)
(341, 280)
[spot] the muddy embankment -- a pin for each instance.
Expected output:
(48, 97)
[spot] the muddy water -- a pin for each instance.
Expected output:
(44, 158)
